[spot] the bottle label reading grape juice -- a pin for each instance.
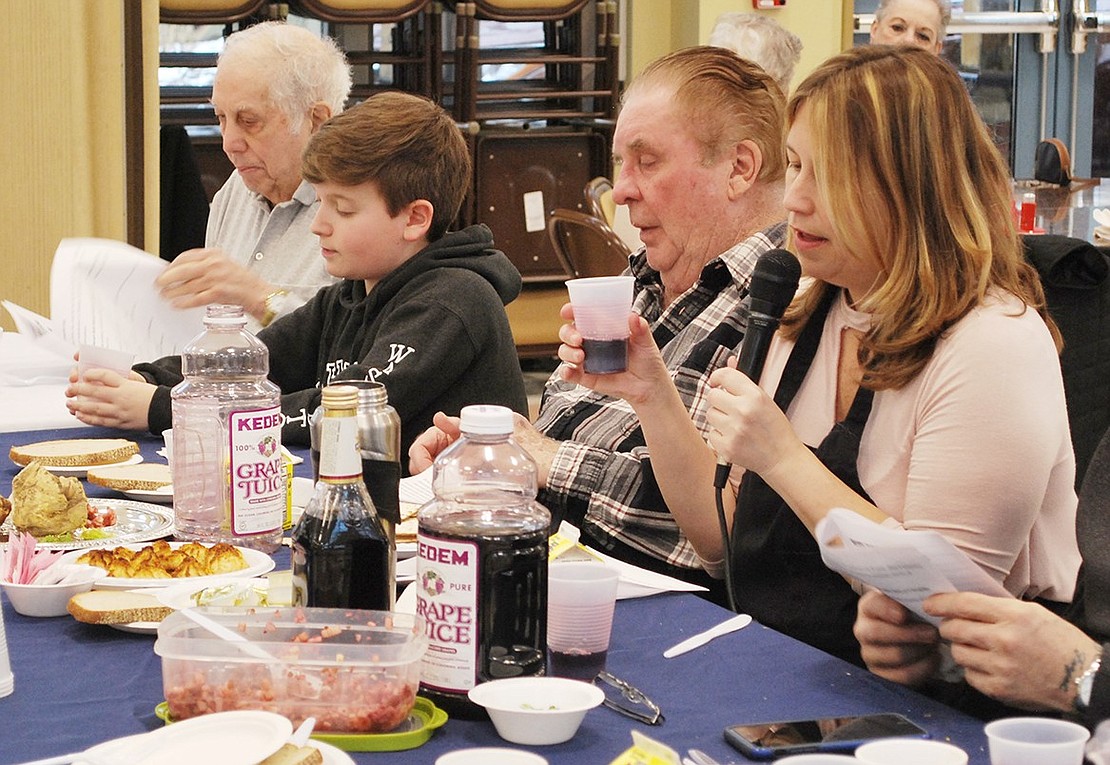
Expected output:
(257, 469)
(447, 598)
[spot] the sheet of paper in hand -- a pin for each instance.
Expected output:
(908, 566)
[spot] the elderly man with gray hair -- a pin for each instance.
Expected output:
(275, 85)
(761, 40)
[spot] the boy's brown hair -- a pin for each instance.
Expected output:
(406, 145)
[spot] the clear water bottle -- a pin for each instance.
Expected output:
(482, 563)
(228, 470)
(342, 555)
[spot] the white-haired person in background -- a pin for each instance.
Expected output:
(275, 85)
(759, 39)
(921, 23)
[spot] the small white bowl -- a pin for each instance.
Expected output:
(536, 710)
(47, 599)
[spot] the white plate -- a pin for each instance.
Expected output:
(135, 522)
(258, 563)
(229, 738)
(137, 628)
(78, 471)
(332, 755)
(162, 494)
(178, 596)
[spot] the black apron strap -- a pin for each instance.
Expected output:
(778, 575)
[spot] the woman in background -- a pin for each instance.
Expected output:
(921, 23)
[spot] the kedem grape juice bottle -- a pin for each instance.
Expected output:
(482, 563)
(228, 471)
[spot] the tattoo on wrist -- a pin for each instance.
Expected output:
(1072, 670)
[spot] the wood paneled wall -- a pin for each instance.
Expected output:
(62, 126)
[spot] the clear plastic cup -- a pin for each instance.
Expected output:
(601, 307)
(7, 680)
(1036, 741)
(167, 449)
(95, 357)
(580, 602)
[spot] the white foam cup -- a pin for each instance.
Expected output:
(910, 751)
(580, 602)
(601, 307)
(1036, 741)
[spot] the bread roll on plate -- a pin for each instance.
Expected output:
(75, 452)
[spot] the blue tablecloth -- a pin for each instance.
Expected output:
(78, 684)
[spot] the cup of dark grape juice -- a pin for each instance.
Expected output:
(580, 601)
(601, 306)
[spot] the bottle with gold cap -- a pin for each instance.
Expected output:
(342, 555)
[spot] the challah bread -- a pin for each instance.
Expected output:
(75, 452)
(146, 476)
(116, 607)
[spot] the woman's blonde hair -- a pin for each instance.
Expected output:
(911, 179)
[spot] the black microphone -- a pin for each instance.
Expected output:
(774, 282)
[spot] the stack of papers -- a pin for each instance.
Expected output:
(102, 293)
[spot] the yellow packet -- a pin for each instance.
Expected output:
(646, 751)
(287, 521)
(564, 544)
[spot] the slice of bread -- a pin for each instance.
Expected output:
(295, 755)
(146, 476)
(75, 452)
(405, 531)
(116, 607)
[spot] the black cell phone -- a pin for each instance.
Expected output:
(768, 740)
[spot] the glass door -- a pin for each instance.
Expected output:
(1016, 58)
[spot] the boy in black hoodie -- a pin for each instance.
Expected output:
(419, 309)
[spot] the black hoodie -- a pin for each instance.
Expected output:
(434, 331)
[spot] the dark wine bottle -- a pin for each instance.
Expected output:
(342, 555)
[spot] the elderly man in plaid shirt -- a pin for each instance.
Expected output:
(699, 141)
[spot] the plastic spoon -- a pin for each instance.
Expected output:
(234, 637)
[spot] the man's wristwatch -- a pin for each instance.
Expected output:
(273, 305)
(1084, 683)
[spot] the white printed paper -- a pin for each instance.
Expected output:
(26, 321)
(908, 566)
(102, 293)
(417, 489)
